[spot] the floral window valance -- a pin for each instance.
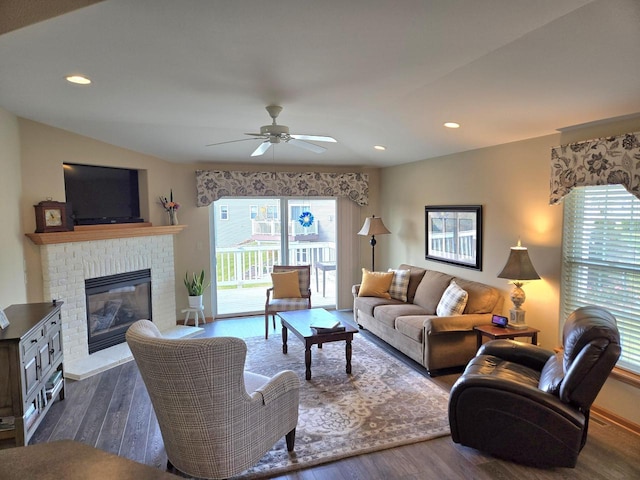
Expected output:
(215, 184)
(605, 161)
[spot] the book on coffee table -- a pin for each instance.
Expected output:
(327, 327)
(320, 330)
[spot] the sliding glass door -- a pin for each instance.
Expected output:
(252, 234)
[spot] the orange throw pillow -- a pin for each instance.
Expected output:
(375, 284)
(285, 284)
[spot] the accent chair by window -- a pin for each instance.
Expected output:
(290, 291)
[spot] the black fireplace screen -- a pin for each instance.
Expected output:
(114, 302)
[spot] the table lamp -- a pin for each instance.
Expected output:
(518, 269)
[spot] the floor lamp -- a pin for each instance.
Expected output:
(373, 226)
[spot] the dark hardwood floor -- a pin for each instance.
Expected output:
(112, 411)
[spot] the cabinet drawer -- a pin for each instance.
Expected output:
(31, 340)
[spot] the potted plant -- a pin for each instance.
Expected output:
(195, 287)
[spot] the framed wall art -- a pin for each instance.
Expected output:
(453, 234)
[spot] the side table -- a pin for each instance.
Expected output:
(324, 267)
(495, 333)
(197, 312)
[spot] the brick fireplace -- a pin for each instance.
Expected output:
(67, 264)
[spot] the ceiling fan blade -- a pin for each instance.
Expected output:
(263, 147)
(306, 145)
(314, 138)
(230, 141)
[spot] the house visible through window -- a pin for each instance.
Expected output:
(272, 212)
(601, 260)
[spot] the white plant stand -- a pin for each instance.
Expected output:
(197, 312)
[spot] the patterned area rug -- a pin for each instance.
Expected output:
(382, 404)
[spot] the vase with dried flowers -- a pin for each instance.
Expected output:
(171, 208)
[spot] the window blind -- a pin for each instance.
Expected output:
(601, 260)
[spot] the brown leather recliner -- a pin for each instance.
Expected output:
(530, 405)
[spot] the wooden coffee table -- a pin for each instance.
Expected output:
(300, 321)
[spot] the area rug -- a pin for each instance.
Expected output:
(383, 403)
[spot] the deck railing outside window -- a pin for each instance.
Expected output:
(252, 264)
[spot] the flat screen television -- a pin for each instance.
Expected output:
(102, 194)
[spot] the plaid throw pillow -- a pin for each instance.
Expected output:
(399, 284)
(453, 301)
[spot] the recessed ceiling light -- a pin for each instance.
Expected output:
(78, 79)
(452, 125)
(379, 147)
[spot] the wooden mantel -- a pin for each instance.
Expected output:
(89, 233)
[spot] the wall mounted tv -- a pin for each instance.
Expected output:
(102, 194)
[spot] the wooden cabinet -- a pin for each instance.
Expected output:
(31, 368)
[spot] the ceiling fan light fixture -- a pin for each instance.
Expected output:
(274, 130)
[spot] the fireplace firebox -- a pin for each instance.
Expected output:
(114, 302)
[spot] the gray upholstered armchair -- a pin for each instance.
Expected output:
(216, 419)
(531, 405)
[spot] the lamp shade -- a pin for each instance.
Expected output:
(373, 226)
(519, 266)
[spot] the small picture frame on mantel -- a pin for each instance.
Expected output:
(4, 321)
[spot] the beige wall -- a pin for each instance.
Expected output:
(12, 283)
(511, 182)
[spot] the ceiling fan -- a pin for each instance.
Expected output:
(274, 133)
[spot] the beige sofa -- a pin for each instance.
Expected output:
(413, 326)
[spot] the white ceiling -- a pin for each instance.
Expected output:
(170, 77)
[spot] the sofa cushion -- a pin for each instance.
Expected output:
(414, 279)
(375, 284)
(387, 314)
(453, 301)
(430, 290)
(482, 298)
(399, 284)
(412, 326)
(368, 304)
